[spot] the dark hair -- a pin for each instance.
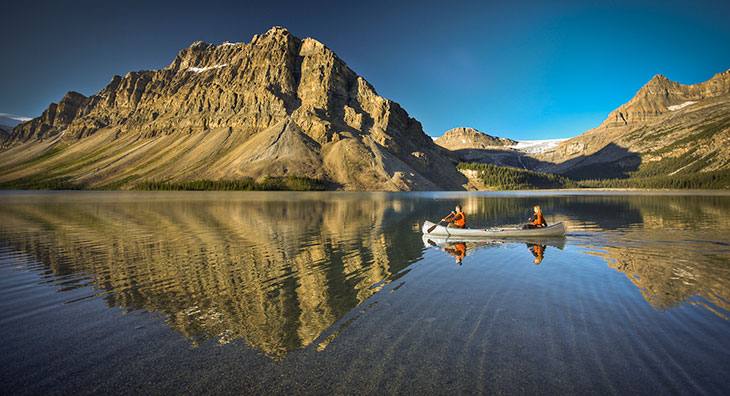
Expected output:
(458, 207)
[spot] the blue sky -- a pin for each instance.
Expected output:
(520, 69)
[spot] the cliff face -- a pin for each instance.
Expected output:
(661, 95)
(470, 138)
(276, 106)
(54, 119)
(667, 128)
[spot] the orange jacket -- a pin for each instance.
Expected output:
(539, 220)
(459, 220)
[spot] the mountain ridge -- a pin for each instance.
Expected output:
(220, 97)
(667, 128)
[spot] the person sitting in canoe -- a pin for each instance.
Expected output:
(456, 219)
(537, 220)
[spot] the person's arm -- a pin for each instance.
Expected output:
(449, 217)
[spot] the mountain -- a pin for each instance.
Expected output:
(470, 138)
(473, 146)
(276, 106)
(537, 146)
(7, 123)
(666, 129)
(4, 133)
(10, 120)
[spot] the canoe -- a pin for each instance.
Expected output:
(555, 230)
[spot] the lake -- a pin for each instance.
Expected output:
(334, 292)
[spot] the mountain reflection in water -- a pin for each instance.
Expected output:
(278, 269)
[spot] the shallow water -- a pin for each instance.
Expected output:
(113, 292)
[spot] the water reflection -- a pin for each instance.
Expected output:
(274, 273)
(537, 250)
(459, 248)
(277, 270)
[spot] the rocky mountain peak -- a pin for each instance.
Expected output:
(665, 120)
(199, 45)
(277, 30)
(657, 82)
(471, 138)
(658, 79)
(661, 95)
(275, 91)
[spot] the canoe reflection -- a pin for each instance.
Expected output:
(459, 249)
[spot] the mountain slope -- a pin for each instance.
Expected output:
(666, 129)
(277, 106)
(470, 138)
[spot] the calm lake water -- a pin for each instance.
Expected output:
(117, 292)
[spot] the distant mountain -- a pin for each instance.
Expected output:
(277, 106)
(10, 120)
(666, 129)
(470, 138)
(7, 123)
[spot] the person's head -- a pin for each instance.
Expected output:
(537, 260)
(458, 208)
(536, 209)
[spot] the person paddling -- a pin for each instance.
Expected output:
(537, 220)
(456, 219)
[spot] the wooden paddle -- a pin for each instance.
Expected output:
(428, 231)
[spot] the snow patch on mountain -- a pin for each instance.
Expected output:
(537, 146)
(206, 68)
(681, 106)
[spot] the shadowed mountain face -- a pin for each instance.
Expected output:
(277, 106)
(669, 128)
(277, 271)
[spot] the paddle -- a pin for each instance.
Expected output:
(428, 231)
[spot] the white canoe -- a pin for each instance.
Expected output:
(555, 230)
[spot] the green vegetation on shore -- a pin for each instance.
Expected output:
(702, 180)
(59, 183)
(491, 176)
(289, 183)
(507, 178)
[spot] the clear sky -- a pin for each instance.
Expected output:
(520, 69)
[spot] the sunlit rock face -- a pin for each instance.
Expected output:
(276, 106)
(667, 127)
(470, 138)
